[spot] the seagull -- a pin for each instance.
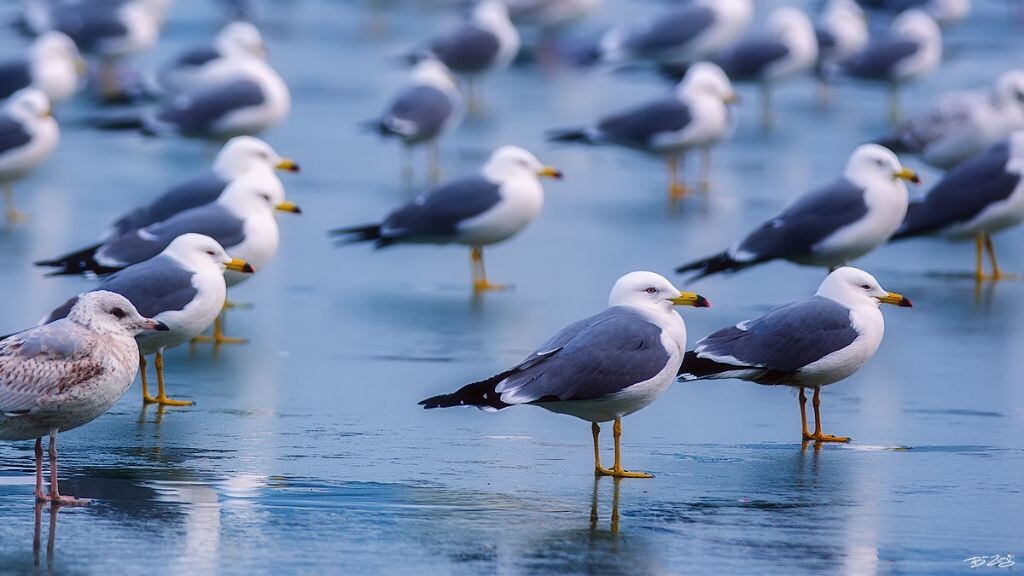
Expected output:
(182, 287)
(28, 136)
(52, 65)
(239, 96)
(789, 48)
(548, 14)
(239, 156)
(978, 198)
(188, 70)
(60, 376)
(912, 49)
(831, 225)
(486, 43)
(241, 221)
(598, 369)
(945, 12)
(842, 31)
(475, 211)
(962, 123)
(426, 109)
(684, 35)
(809, 343)
(696, 115)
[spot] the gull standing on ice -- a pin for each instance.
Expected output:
(189, 69)
(695, 115)
(842, 31)
(829, 226)
(57, 377)
(425, 110)
(28, 136)
(182, 287)
(976, 199)
(474, 211)
(809, 343)
(598, 369)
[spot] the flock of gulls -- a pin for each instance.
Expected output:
(163, 269)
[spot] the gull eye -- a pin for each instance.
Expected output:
(651, 290)
(265, 197)
(118, 313)
(866, 286)
(211, 252)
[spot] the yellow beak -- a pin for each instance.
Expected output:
(896, 300)
(908, 175)
(81, 66)
(288, 165)
(239, 265)
(550, 172)
(733, 98)
(288, 207)
(690, 299)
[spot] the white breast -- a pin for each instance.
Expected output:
(521, 201)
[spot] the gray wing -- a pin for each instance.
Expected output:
(193, 193)
(469, 49)
(438, 213)
(196, 56)
(418, 111)
(12, 134)
(807, 222)
(636, 127)
(772, 347)
(670, 31)
(879, 60)
(948, 118)
(14, 75)
(196, 112)
(90, 25)
(44, 361)
(749, 59)
(589, 359)
(963, 193)
(213, 220)
(157, 285)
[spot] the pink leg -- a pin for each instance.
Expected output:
(54, 491)
(40, 497)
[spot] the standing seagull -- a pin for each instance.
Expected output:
(599, 369)
(829, 226)
(486, 43)
(805, 344)
(60, 376)
(695, 115)
(475, 211)
(912, 49)
(189, 69)
(28, 136)
(789, 48)
(978, 198)
(239, 96)
(183, 287)
(52, 65)
(241, 156)
(962, 123)
(427, 108)
(842, 31)
(693, 32)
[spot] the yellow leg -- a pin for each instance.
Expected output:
(676, 189)
(218, 336)
(146, 398)
(979, 265)
(161, 393)
(13, 216)
(598, 469)
(805, 434)
(480, 283)
(473, 105)
(617, 471)
(818, 436)
(997, 273)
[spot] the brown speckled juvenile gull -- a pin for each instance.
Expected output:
(65, 374)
